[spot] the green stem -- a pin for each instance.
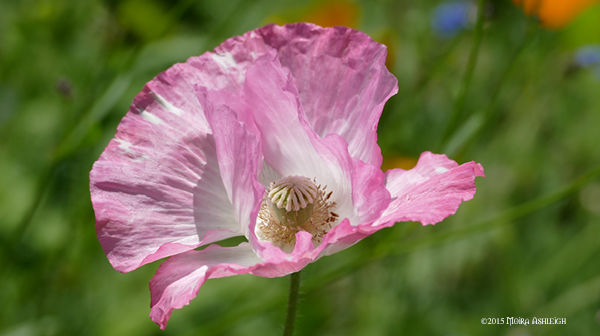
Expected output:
(292, 307)
(466, 81)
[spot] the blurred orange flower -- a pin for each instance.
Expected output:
(554, 13)
(392, 162)
(327, 13)
(334, 13)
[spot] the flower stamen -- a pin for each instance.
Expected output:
(293, 204)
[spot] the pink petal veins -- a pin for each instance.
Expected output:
(431, 191)
(157, 189)
(349, 100)
(289, 145)
(240, 157)
(178, 279)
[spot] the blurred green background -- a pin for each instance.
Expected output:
(526, 246)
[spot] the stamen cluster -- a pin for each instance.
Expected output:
(293, 204)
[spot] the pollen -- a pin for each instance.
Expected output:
(293, 204)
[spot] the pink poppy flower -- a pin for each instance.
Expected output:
(272, 136)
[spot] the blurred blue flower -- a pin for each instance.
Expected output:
(451, 17)
(588, 55)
